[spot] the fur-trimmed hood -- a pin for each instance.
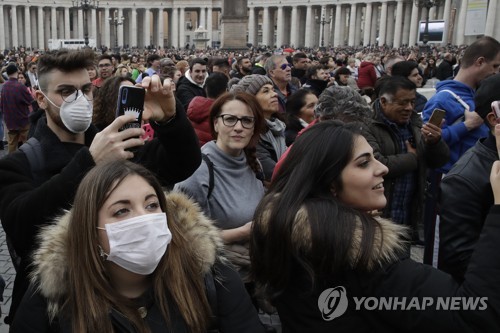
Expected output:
(50, 269)
(389, 239)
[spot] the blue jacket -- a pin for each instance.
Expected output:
(455, 134)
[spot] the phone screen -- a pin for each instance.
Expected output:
(495, 106)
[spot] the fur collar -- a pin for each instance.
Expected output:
(389, 239)
(50, 260)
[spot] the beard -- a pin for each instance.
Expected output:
(54, 116)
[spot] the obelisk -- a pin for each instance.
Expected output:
(234, 22)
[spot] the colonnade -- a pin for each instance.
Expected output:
(272, 23)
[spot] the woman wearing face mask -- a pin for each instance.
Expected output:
(132, 261)
(272, 143)
(227, 185)
(325, 261)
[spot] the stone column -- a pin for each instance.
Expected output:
(352, 24)
(93, 25)
(280, 27)
(147, 27)
(2, 26)
(309, 42)
(446, 18)
(202, 19)
(182, 28)
(14, 40)
(175, 28)
(389, 35)
(358, 27)
(406, 22)
(399, 23)
(338, 20)
(67, 30)
(53, 23)
(20, 27)
(133, 27)
(161, 33)
(490, 19)
(461, 19)
(80, 23)
(120, 27)
(294, 25)
(27, 26)
(106, 23)
(210, 27)
(414, 26)
(251, 27)
(383, 24)
(432, 13)
(373, 30)
(41, 43)
(367, 25)
(266, 27)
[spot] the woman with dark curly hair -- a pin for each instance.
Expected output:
(104, 107)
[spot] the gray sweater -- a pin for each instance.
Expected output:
(236, 192)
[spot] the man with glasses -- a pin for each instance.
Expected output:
(280, 72)
(40, 180)
(406, 147)
(105, 65)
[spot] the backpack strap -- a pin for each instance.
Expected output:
(210, 166)
(33, 151)
(458, 99)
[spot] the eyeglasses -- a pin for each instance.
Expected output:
(104, 65)
(403, 102)
(70, 94)
(230, 121)
(284, 66)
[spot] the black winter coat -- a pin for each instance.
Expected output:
(465, 200)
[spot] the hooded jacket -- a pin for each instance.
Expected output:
(366, 75)
(304, 307)
(235, 313)
(454, 132)
(199, 114)
(188, 89)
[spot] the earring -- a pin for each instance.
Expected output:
(102, 254)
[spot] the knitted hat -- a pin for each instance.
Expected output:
(251, 84)
(11, 69)
(486, 93)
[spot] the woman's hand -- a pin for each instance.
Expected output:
(159, 102)
(237, 234)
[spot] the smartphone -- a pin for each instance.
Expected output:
(495, 106)
(131, 102)
(437, 117)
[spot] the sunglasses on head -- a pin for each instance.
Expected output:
(284, 66)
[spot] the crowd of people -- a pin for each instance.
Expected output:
(257, 181)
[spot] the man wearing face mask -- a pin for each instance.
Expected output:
(39, 181)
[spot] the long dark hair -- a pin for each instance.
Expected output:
(259, 127)
(300, 222)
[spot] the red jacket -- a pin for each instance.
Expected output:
(198, 113)
(366, 75)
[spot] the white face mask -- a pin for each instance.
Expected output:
(76, 115)
(139, 243)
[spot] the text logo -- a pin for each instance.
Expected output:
(332, 303)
